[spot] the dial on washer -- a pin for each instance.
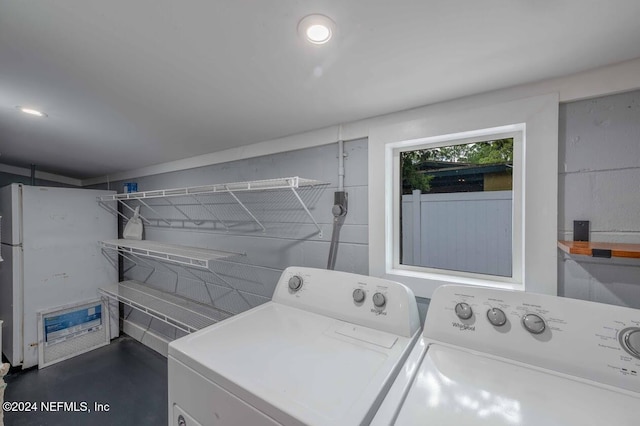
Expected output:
(497, 317)
(463, 310)
(630, 341)
(379, 300)
(359, 295)
(295, 283)
(533, 323)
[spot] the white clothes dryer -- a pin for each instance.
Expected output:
(324, 351)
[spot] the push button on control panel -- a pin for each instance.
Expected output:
(463, 310)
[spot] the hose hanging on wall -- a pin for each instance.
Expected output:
(339, 211)
(340, 203)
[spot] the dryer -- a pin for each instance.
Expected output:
(496, 357)
(324, 351)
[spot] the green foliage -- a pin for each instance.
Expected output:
(490, 152)
(411, 177)
(498, 151)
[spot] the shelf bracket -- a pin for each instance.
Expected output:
(136, 264)
(111, 209)
(133, 211)
(195, 222)
(195, 197)
(304, 206)
(245, 209)
(155, 211)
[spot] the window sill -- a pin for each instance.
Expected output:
(424, 282)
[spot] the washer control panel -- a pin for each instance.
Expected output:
(585, 339)
(369, 301)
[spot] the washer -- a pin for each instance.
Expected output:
(494, 357)
(324, 351)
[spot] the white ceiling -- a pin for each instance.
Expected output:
(129, 84)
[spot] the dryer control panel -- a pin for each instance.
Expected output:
(359, 299)
(585, 339)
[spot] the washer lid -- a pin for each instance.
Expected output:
(455, 387)
(293, 364)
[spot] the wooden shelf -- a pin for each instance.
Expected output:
(587, 248)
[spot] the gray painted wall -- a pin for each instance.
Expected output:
(289, 240)
(599, 181)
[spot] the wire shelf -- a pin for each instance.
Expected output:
(191, 256)
(221, 205)
(184, 314)
(255, 185)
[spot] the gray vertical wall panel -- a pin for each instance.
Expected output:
(599, 181)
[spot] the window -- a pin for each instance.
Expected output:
(535, 186)
(457, 205)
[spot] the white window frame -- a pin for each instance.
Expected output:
(540, 170)
(393, 225)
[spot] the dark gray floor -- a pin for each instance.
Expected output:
(128, 376)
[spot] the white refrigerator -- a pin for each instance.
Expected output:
(51, 258)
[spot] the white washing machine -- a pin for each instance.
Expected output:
(324, 351)
(493, 357)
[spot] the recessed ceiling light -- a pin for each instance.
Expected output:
(31, 111)
(316, 29)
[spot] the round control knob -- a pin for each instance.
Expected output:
(295, 283)
(496, 317)
(533, 323)
(358, 295)
(463, 311)
(379, 300)
(630, 340)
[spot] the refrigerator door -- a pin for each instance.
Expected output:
(63, 262)
(11, 302)
(11, 212)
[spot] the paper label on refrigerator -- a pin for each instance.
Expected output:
(72, 324)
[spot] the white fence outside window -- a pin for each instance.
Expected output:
(463, 231)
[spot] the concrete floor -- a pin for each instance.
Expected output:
(129, 377)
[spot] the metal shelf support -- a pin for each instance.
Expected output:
(247, 210)
(304, 206)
